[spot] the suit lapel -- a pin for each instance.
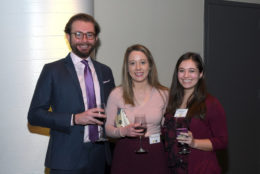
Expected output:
(100, 79)
(70, 66)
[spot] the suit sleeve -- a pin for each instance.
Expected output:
(39, 112)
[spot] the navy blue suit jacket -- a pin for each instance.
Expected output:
(58, 87)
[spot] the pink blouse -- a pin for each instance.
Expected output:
(153, 109)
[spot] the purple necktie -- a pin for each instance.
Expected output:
(93, 129)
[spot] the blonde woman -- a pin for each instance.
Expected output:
(139, 93)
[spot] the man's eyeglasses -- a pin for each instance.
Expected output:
(89, 35)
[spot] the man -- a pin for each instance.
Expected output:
(63, 86)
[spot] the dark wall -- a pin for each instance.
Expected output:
(232, 57)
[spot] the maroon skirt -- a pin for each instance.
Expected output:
(127, 161)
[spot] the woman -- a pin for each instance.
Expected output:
(205, 118)
(139, 93)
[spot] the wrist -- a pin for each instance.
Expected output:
(123, 131)
(193, 144)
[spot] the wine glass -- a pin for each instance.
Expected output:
(102, 106)
(140, 119)
(101, 129)
(181, 126)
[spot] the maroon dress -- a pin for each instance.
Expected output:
(126, 161)
(212, 127)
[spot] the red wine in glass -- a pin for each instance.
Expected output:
(102, 136)
(140, 119)
(141, 128)
(102, 106)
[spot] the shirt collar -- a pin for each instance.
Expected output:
(76, 59)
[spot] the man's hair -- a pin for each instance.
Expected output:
(82, 17)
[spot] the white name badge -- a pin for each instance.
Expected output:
(180, 113)
(155, 138)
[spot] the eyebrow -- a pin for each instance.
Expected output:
(187, 68)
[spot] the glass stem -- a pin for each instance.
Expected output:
(140, 142)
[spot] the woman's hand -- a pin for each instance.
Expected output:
(186, 138)
(201, 144)
(132, 130)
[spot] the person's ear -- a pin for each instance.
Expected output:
(96, 38)
(68, 37)
(201, 74)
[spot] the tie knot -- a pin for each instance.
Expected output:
(85, 62)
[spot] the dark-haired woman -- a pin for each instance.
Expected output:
(204, 117)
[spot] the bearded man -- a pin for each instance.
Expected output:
(73, 87)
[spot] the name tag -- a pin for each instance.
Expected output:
(155, 138)
(180, 113)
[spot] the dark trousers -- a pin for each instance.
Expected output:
(92, 161)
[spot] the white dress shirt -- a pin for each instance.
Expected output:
(79, 66)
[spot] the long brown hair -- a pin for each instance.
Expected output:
(127, 84)
(196, 102)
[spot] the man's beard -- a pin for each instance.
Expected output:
(82, 54)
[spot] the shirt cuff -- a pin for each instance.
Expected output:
(71, 120)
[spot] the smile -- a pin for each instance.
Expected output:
(187, 80)
(84, 46)
(139, 74)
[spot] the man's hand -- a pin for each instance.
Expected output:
(90, 116)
